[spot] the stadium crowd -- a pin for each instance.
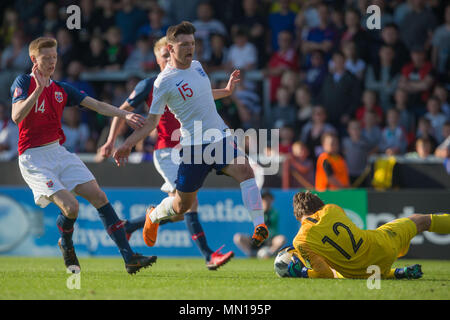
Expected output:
(336, 87)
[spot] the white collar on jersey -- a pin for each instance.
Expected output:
(49, 82)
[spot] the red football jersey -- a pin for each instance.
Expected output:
(43, 123)
(167, 124)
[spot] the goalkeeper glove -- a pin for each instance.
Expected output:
(410, 272)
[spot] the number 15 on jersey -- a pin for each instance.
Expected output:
(185, 91)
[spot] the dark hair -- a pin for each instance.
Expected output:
(306, 203)
(185, 27)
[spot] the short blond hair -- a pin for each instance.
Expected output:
(159, 44)
(42, 42)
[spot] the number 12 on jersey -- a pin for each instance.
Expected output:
(185, 91)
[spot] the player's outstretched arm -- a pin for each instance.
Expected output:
(228, 90)
(22, 108)
(122, 153)
(133, 120)
(106, 150)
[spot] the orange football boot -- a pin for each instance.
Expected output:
(150, 231)
(260, 234)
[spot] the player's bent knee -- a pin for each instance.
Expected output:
(70, 209)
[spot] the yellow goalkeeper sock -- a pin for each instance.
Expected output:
(440, 223)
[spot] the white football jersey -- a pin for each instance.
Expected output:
(188, 94)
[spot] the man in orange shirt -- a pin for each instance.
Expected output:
(331, 170)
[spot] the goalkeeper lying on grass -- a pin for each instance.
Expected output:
(330, 245)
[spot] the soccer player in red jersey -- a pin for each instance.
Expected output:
(54, 174)
(165, 143)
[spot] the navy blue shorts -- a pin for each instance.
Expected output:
(195, 166)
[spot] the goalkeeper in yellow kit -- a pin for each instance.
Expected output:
(330, 245)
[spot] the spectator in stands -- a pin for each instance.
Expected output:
(281, 20)
(14, 61)
(407, 119)
(283, 112)
(390, 36)
(141, 58)
(314, 75)
(255, 25)
(393, 137)
(355, 33)
(323, 37)
(9, 135)
(51, 21)
(96, 58)
(287, 138)
(356, 150)
(206, 25)
(369, 100)
(353, 63)
(242, 53)
(304, 106)
(371, 131)
(442, 93)
(298, 168)
(443, 150)
(417, 80)
(417, 25)
(283, 60)
(115, 50)
(219, 52)
(177, 10)
(129, 19)
(425, 130)
(67, 50)
(248, 103)
(340, 93)
(313, 130)
(228, 109)
(383, 77)
(104, 16)
(423, 150)
(436, 117)
(76, 132)
(88, 21)
(155, 27)
(331, 168)
(291, 81)
(441, 43)
(275, 240)
(10, 24)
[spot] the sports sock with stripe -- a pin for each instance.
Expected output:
(197, 233)
(65, 228)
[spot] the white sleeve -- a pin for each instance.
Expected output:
(159, 100)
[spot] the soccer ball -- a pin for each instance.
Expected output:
(282, 260)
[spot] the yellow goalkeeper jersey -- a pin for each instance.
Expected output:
(332, 246)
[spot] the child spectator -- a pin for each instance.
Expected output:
(314, 74)
(141, 58)
(393, 138)
(441, 92)
(298, 168)
(371, 131)
(114, 49)
(331, 168)
(287, 135)
(314, 129)
(155, 28)
(407, 119)
(425, 130)
(96, 58)
(219, 53)
(369, 100)
(436, 117)
(242, 53)
(353, 63)
(76, 132)
(283, 113)
(356, 150)
(304, 105)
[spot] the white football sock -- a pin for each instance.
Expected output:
(251, 197)
(163, 211)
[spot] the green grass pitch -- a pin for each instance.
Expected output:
(177, 278)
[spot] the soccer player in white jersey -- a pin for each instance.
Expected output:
(185, 88)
